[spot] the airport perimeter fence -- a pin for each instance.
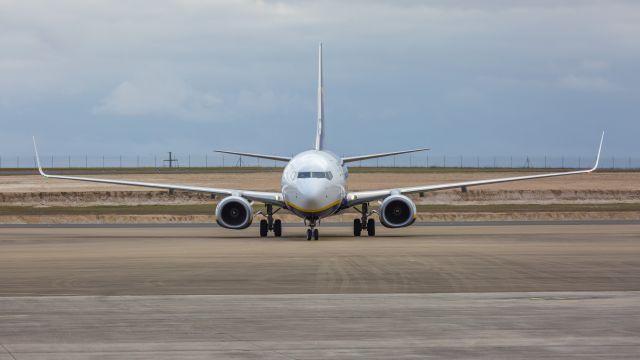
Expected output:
(190, 161)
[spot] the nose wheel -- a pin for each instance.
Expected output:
(312, 232)
(269, 224)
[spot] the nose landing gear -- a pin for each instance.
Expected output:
(312, 232)
(270, 224)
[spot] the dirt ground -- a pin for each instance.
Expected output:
(270, 181)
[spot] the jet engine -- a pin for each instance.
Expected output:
(234, 212)
(397, 211)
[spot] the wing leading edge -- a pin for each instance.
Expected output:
(379, 155)
(260, 196)
(359, 197)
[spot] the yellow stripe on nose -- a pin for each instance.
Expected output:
(314, 210)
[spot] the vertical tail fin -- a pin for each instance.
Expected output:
(319, 128)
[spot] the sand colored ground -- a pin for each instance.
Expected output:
(270, 181)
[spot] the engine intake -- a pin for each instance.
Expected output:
(397, 211)
(234, 212)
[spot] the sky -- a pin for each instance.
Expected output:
(463, 77)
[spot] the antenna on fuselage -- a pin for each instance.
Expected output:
(320, 123)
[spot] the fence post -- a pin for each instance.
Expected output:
(69, 161)
(613, 162)
(51, 160)
(427, 160)
(189, 156)
(511, 162)
(460, 161)
(478, 162)
(120, 160)
(17, 161)
(545, 161)
(444, 160)
(494, 162)
(206, 160)
(562, 162)
(103, 161)
(86, 161)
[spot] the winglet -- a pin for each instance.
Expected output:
(599, 150)
(35, 148)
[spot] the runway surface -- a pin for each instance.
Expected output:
(422, 259)
(339, 326)
(200, 292)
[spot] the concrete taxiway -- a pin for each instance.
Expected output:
(199, 292)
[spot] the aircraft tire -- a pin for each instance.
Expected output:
(264, 228)
(357, 227)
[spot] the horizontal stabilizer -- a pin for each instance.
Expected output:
(260, 156)
(373, 156)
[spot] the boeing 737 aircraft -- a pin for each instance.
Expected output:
(314, 186)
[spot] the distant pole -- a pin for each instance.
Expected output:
(629, 163)
(545, 161)
(613, 162)
(18, 161)
(69, 163)
(427, 160)
(494, 162)
(86, 161)
(137, 161)
(120, 160)
(444, 160)
(102, 161)
(460, 161)
(410, 161)
(511, 162)
(478, 162)
(579, 162)
(0, 162)
(394, 161)
(189, 160)
(563, 162)
(377, 162)
(155, 161)
(206, 160)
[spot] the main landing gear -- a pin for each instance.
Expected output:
(312, 232)
(270, 224)
(364, 223)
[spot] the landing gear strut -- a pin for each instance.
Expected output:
(364, 223)
(270, 224)
(312, 232)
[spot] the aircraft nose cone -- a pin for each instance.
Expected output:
(311, 189)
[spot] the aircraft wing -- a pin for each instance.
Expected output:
(260, 196)
(359, 197)
(260, 156)
(373, 156)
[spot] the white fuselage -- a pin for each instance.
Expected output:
(314, 184)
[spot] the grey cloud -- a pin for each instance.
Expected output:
(210, 67)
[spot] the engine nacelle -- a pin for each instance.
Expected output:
(397, 211)
(234, 212)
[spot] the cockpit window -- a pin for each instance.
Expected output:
(315, 175)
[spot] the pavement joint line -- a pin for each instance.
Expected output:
(8, 352)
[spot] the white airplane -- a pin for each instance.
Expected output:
(314, 186)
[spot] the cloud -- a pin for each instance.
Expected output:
(587, 83)
(155, 94)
